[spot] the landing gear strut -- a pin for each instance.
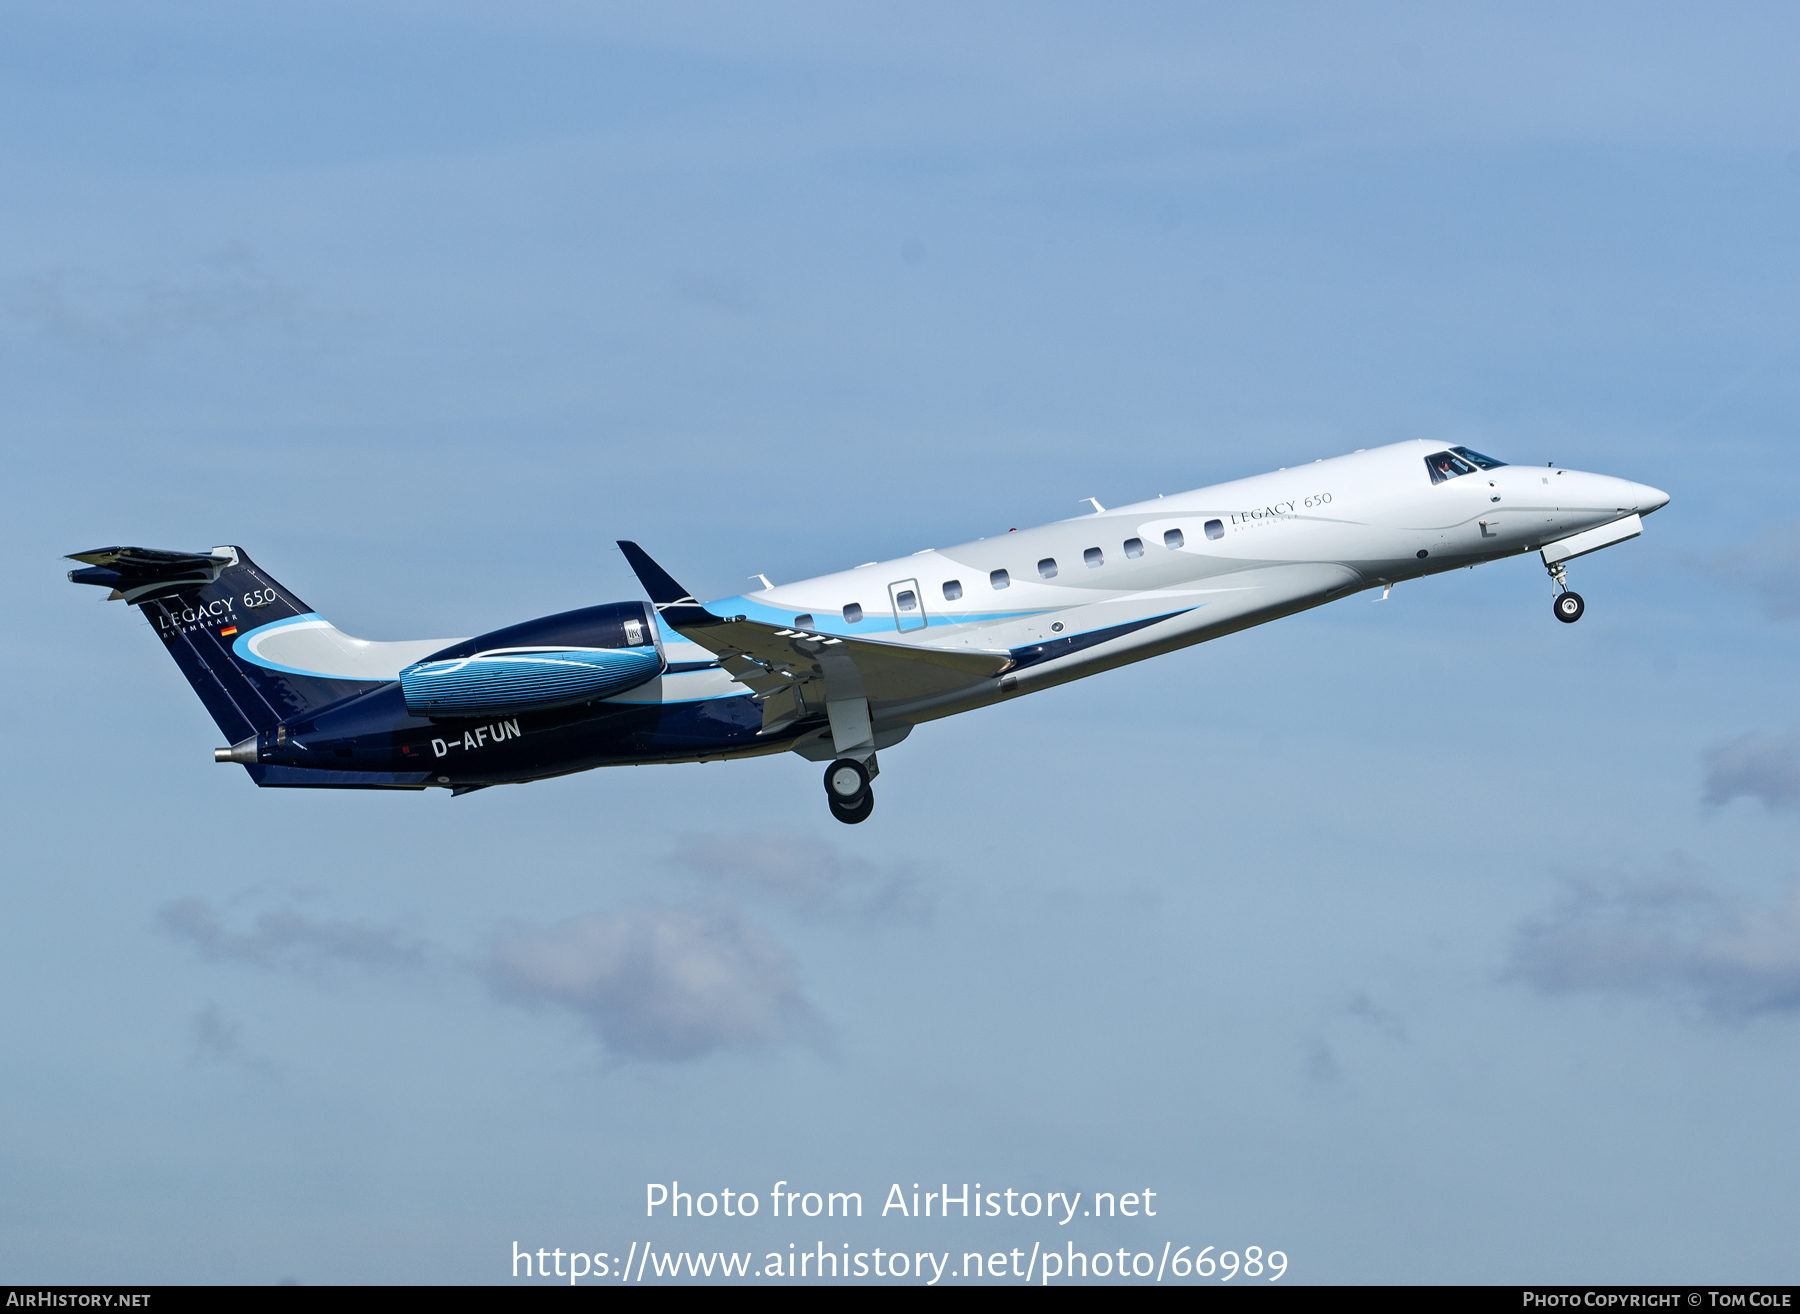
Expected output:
(1568, 606)
(847, 789)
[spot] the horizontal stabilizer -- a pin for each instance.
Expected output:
(136, 573)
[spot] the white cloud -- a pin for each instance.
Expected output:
(218, 1038)
(1384, 1020)
(1321, 1060)
(1669, 935)
(224, 294)
(290, 940)
(1320, 1063)
(808, 874)
(657, 982)
(1752, 766)
(653, 982)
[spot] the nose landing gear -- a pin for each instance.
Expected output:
(847, 789)
(1568, 606)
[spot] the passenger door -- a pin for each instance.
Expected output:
(908, 603)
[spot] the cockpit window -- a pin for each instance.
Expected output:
(1447, 465)
(1485, 462)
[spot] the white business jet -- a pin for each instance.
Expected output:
(841, 666)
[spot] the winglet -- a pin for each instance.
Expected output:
(673, 603)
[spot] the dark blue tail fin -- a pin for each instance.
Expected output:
(206, 607)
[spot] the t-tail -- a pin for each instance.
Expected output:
(220, 617)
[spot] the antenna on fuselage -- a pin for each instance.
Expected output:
(764, 579)
(1097, 507)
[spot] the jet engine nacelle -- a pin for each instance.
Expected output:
(554, 661)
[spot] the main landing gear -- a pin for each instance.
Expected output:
(847, 788)
(1568, 606)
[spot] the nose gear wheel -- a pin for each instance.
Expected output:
(1567, 606)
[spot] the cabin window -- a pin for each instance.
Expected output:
(1093, 558)
(952, 590)
(999, 579)
(1134, 548)
(1446, 465)
(804, 622)
(853, 612)
(1485, 462)
(1215, 529)
(906, 600)
(1047, 567)
(1173, 539)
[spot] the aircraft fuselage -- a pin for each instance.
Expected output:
(840, 665)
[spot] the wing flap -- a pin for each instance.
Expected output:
(769, 658)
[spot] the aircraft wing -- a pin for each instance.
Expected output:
(795, 672)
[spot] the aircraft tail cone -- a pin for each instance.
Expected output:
(244, 752)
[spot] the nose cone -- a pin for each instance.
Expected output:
(1627, 496)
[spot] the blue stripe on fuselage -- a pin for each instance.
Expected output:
(833, 622)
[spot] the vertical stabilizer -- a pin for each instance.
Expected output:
(210, 610)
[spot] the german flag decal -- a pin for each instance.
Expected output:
(228, 631)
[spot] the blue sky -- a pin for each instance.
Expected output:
(1426, 940)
